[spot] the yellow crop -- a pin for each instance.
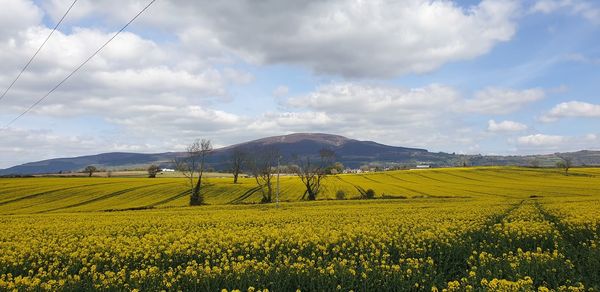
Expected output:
(477, 229)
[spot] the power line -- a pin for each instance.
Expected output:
(80, 66)
(38, 50)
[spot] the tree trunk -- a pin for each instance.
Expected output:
(199, 199)
(235, 178)
(269, 192)
(311, 195)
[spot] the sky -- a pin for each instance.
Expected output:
(491, 77)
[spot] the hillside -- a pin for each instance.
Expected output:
(352, 153)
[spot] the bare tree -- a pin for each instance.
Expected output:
(312, 173)
(465, 160)
(261, 165)
(566, 162)
(153, 170)
(535, 162)
(205, 149)
(337, 167)
(192, 163)
(238, 159)
(90, 169)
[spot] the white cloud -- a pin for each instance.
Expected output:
(418, 117)
(22, 145)
(581, 58)
(368, 99)
(281, 91)
(541, 140)
(495, 100)
(379, 38)
(17, 16)
(131, 74)
(542, 143)
(171, 81)
(587, 9)
(572, 109)
(505, 126)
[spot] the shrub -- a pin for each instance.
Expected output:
(153, 170)
(370, 194)
(340, 195)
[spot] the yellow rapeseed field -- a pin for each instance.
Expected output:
(473, 229)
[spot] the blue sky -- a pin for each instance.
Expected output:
(490, 77)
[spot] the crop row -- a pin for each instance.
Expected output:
(45, 195)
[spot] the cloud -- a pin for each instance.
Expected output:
(587, 9)
(23, 145)
(495, 100)
(354, 97)
(580, 58)
(281, 91)
(131, 74)
(572, 109)
(505, 126)
(170, 79)
(542, 143)
(142, 108)
(379, 103)
(419, 117)
(351, 38)
(17, 16)
(541, 140)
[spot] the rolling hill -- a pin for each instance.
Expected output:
(352, 153)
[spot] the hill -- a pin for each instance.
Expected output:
(352, 153)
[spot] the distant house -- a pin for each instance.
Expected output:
(423, 166)
(167, 170)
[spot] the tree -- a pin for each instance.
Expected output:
(535, 162)
(338, 167)
(90, 169)
(238, 159)
(153, 170)
(465, 160)
(370, 194)
(261, 165)
(340, 195)
(566, 162)
(194, 162)
(312, 174)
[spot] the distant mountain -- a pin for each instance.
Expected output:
(113, 160)
(352, 153)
